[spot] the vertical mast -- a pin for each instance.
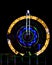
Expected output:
(28, 22)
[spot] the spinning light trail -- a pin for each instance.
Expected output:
(28, 30)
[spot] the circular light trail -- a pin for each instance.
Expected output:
(25, 39)
(33, 18)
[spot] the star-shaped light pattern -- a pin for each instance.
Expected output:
(25, 39)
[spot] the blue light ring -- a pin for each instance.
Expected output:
(38, 36)
(21, 44)
(19, 41)
(30, 42)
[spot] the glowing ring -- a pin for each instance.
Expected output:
(29, 44)
(38, 20)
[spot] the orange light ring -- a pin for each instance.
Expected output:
(38, 20)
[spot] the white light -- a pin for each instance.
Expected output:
(28, 21)
(8, 41)
(28, 11)
(47, 30)
(37, 54)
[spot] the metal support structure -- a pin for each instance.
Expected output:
(28, 22)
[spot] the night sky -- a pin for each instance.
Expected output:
(10, 11)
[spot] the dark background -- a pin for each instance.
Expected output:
(10, 10)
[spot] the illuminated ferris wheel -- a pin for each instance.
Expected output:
(28, 34)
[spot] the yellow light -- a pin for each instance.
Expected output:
(21, 54)
(11, 47)
(38, 20)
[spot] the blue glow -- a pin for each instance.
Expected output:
(24, 28)
(27, 43)
(36, 36)
(39, 46)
